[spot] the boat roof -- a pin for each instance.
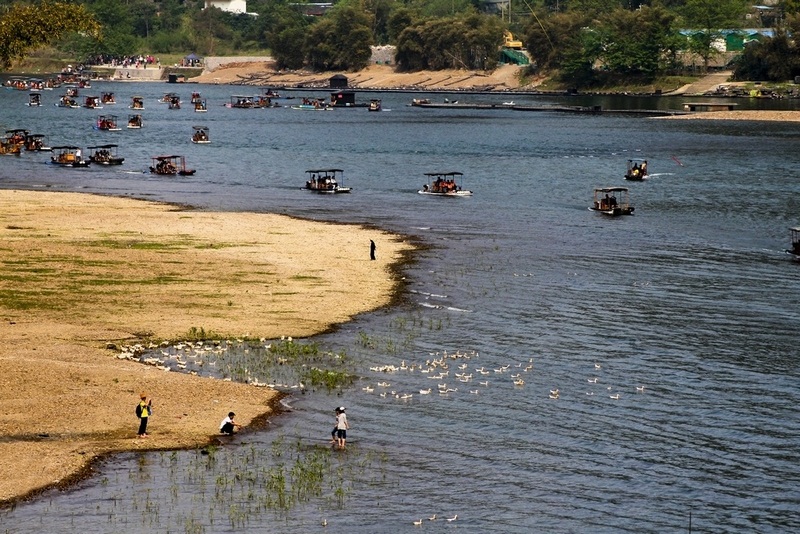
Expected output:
(103, 146)
(631, 160)
(200, 127)
(166, 157)
(108, 116)
(35, 135)
(17, 130)
(454, 173)
(610, 189)
(326, 170)
(795, 229)
(65, 148)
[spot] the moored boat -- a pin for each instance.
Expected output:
(170, 166)
(444, 184)
(607, 203)
(105, 155)
(637, 170)
(326, 181)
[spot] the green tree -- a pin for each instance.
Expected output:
(550, 40)
(774, 59)
(641, 42)
(341, 40)
(464, 42)
(709, 18)
(25, 27)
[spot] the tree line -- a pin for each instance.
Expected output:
(583, 42)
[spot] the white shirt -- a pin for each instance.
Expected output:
(225, 422)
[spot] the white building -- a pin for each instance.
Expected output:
(231, 6)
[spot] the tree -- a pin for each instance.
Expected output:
(710, 17)
(773, 59)
(641, 42)
(25, 27)
(465, 42)
(341, 40)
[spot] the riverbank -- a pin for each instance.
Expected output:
(84, 273)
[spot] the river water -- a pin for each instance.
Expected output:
(687, 312)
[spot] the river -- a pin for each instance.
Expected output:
(670, 335)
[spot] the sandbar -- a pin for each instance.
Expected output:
(84, 273)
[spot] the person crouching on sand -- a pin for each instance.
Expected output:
(228, 424)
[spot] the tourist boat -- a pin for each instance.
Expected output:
(444, 184)
(170, 166)
(137, 102)
(606, 201)
(36, 143)
(72, 91)
(7, 148)
(67, 101)
(108, 98)
(105, 155)
(374, 105)
(271, 93)
(795, 250)
(17, 136)
(174, 102)
(420, 101)
(200, 135)
(68, 156)
(314, 104)
(107, 123)
(168, 97)
(200, 106)
(196, 97)
(326, 181)
(135, 121)
(92, 102)
(248, 102)
(637, 170)
(35, 99)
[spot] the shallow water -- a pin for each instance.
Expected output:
(692, 299)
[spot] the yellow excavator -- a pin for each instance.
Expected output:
(510, 42)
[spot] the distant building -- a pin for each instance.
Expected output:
(231, 6)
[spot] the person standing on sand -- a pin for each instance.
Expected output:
(372, 249)
(143, 411)
(341, 427)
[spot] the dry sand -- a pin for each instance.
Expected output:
(752, 115)
(82, 271)
(505, 77)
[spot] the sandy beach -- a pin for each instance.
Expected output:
(83, 274)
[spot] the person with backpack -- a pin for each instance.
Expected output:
(143, 411)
